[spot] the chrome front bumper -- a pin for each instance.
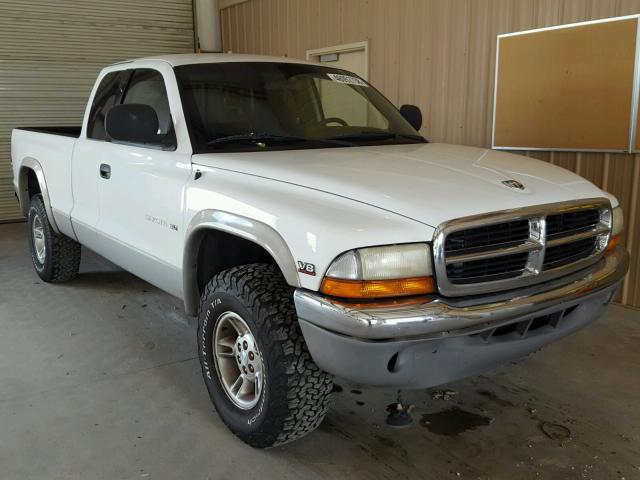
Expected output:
(435, 342)
(446, 317)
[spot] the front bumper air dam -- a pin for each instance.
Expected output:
(424, 345)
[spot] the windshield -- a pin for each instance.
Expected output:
(255, 106)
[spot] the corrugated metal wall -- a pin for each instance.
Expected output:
(440, 54)
(51, 52)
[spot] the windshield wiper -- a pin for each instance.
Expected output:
(377, 135)
(264, 138)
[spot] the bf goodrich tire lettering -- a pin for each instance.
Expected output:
(294, 392)
(55, 257)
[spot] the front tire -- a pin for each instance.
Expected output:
(255, 363)
(55, 257)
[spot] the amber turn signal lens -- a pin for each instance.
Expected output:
(377, 288)
(613, 243)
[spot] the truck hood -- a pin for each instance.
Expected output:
(430, 183)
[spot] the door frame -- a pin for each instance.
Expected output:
(344, 48)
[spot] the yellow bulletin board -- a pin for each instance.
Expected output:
(568, 88)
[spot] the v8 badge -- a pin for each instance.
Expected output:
(307, 268)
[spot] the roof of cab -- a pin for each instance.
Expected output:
(195, 58)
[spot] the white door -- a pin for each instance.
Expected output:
(353, 57)
(141, 197)
(87, 159)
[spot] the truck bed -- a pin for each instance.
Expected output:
(51, 150)
(73, 132)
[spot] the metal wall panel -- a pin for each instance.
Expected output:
(51, 53)
(440, 55)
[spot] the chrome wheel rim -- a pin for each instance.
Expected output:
(238, 361)
(37, 231)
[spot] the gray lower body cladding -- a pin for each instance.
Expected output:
(423, 363)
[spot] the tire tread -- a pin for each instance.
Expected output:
(308, 388)
(65, 253)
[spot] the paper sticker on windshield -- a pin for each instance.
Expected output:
(348, 79)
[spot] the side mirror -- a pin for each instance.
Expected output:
(132, 123)
(413, 115)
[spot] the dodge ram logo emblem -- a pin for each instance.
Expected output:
(513, 184)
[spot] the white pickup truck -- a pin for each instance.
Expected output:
(314, 232)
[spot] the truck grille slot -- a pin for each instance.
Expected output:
(480, 270)
(502, 251)
(523, 328)
(490, 235)
(564, 223)
(569, 252)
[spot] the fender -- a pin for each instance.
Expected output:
(252, 230)
(23, 189)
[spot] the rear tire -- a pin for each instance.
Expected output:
(55, 257)
(247, 321)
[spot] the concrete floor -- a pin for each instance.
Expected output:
(99, 379)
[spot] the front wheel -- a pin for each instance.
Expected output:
(255, 363)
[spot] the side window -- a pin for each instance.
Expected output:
(147, 87)
(107, 94)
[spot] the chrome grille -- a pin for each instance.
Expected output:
(510, 249)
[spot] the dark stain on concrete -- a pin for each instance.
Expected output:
(329, 426)
(392, 445)
(495, 398)
(453, 421)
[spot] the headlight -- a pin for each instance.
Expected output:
(617, 227)
(381, 272)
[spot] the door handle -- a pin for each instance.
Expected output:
(105, 171)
